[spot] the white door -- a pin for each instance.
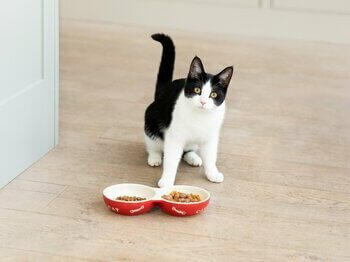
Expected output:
(28, 83)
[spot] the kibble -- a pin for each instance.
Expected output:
(175, 196)
(130, 198)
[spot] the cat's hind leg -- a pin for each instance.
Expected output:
(154, 147)
(191, 157)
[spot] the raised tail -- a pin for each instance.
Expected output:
(166, 67)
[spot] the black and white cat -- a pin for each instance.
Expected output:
(185, 117)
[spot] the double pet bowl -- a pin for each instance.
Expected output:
(153, 198)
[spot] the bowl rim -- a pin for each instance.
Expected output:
(157, 196)
(129, 202)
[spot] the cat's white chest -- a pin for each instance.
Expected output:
(191, 125)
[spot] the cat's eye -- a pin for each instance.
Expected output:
(197, 90)
(213, 94)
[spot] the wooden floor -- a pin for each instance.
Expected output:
(285, 154)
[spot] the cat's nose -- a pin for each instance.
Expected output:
(203, 103)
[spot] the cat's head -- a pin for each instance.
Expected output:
(206, 91)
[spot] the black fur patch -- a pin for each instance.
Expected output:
(219, 90)
(159, 114)
(166, 67)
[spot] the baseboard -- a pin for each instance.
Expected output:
(209, 17)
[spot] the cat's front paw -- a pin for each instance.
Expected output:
(215, 176)
(165, 182)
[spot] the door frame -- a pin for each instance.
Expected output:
(37, 102)
(57, 68)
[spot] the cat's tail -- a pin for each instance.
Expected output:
(166, 67)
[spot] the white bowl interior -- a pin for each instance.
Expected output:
(112, 192)
(204, 194)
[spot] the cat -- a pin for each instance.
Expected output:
(185, 118)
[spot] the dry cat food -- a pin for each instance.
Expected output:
(130, 198)
(182, 197)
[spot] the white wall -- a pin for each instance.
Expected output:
(319, 20)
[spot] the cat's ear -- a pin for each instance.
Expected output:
(196, 68)
(225, 75)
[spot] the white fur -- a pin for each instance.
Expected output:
(154, 148)
(194, 126)
(193, 159)
(204, 97)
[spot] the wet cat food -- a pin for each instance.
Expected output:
(130, 198)
(182, 197)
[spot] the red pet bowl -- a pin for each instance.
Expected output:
(153, 197)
